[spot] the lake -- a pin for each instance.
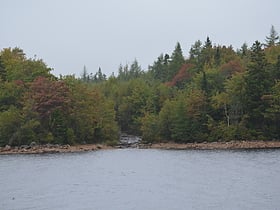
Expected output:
(141, 180)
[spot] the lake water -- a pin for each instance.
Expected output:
(141, 180)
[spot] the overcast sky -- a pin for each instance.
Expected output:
(68, 34)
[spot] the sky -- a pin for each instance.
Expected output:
(71, 34)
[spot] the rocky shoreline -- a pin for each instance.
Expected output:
(219, 145)
(41, 149)
(49, 148)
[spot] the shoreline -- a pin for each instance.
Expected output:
(231, 145)
(49, 149)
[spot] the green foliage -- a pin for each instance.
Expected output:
(273, 38)
(160, 68)
(3, 72)
(130, 72)
(11, 94)
(182, 119)
(18, 67)
(223, 132)
(272, 114)
(196, 53)
(176, 61)
(10, 121)
(137, 98)
(91, 118)
(256, 85)
(27, 133)
(98, 77)
(231, 102)
(150, 128)
(216, 94)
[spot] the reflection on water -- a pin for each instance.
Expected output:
(141, 179)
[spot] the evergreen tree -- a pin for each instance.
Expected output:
(276, 70)
(195, 52)
(256, 85)
(3, 72)
(59, 127)
(135, 69)
(208, 43)
(244, 50)
(206, 53)
(273, 38)
(217, 57)
(85, 76)
(177, 60)
(98, 76)
(160, 67)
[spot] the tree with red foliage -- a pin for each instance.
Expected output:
(48, 96)
(181, 77)
(230, 68)
(48, 101)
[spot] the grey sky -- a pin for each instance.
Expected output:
(68, 34)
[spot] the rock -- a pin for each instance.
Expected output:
(33, 144)
(129, 141)
(7, 148)
(24, 146)
(67, 146)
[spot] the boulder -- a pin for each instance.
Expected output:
(7, 148)
(33, 144)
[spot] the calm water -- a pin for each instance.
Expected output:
(141, 179)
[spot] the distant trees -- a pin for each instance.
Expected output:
(37, 106)
(15, 66)
(130, 72)
(214, 94)
(91, 118)
(90, 78)
(166, 67)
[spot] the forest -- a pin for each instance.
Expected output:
(215, 93)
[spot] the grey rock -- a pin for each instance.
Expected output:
(33, 144)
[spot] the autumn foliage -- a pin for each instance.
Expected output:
(183, 75)
(48, 96)
(214, 94)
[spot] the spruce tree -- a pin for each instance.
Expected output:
(159, 68)
(273, 38)
(256, 85)
(3, 72)
(206, 53)
(177, 60)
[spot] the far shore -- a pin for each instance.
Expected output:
(42, 149)
(46, 149)
(219, 145)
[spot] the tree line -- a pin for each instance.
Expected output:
(216, 93)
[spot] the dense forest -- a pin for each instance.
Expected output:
(215, 93)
